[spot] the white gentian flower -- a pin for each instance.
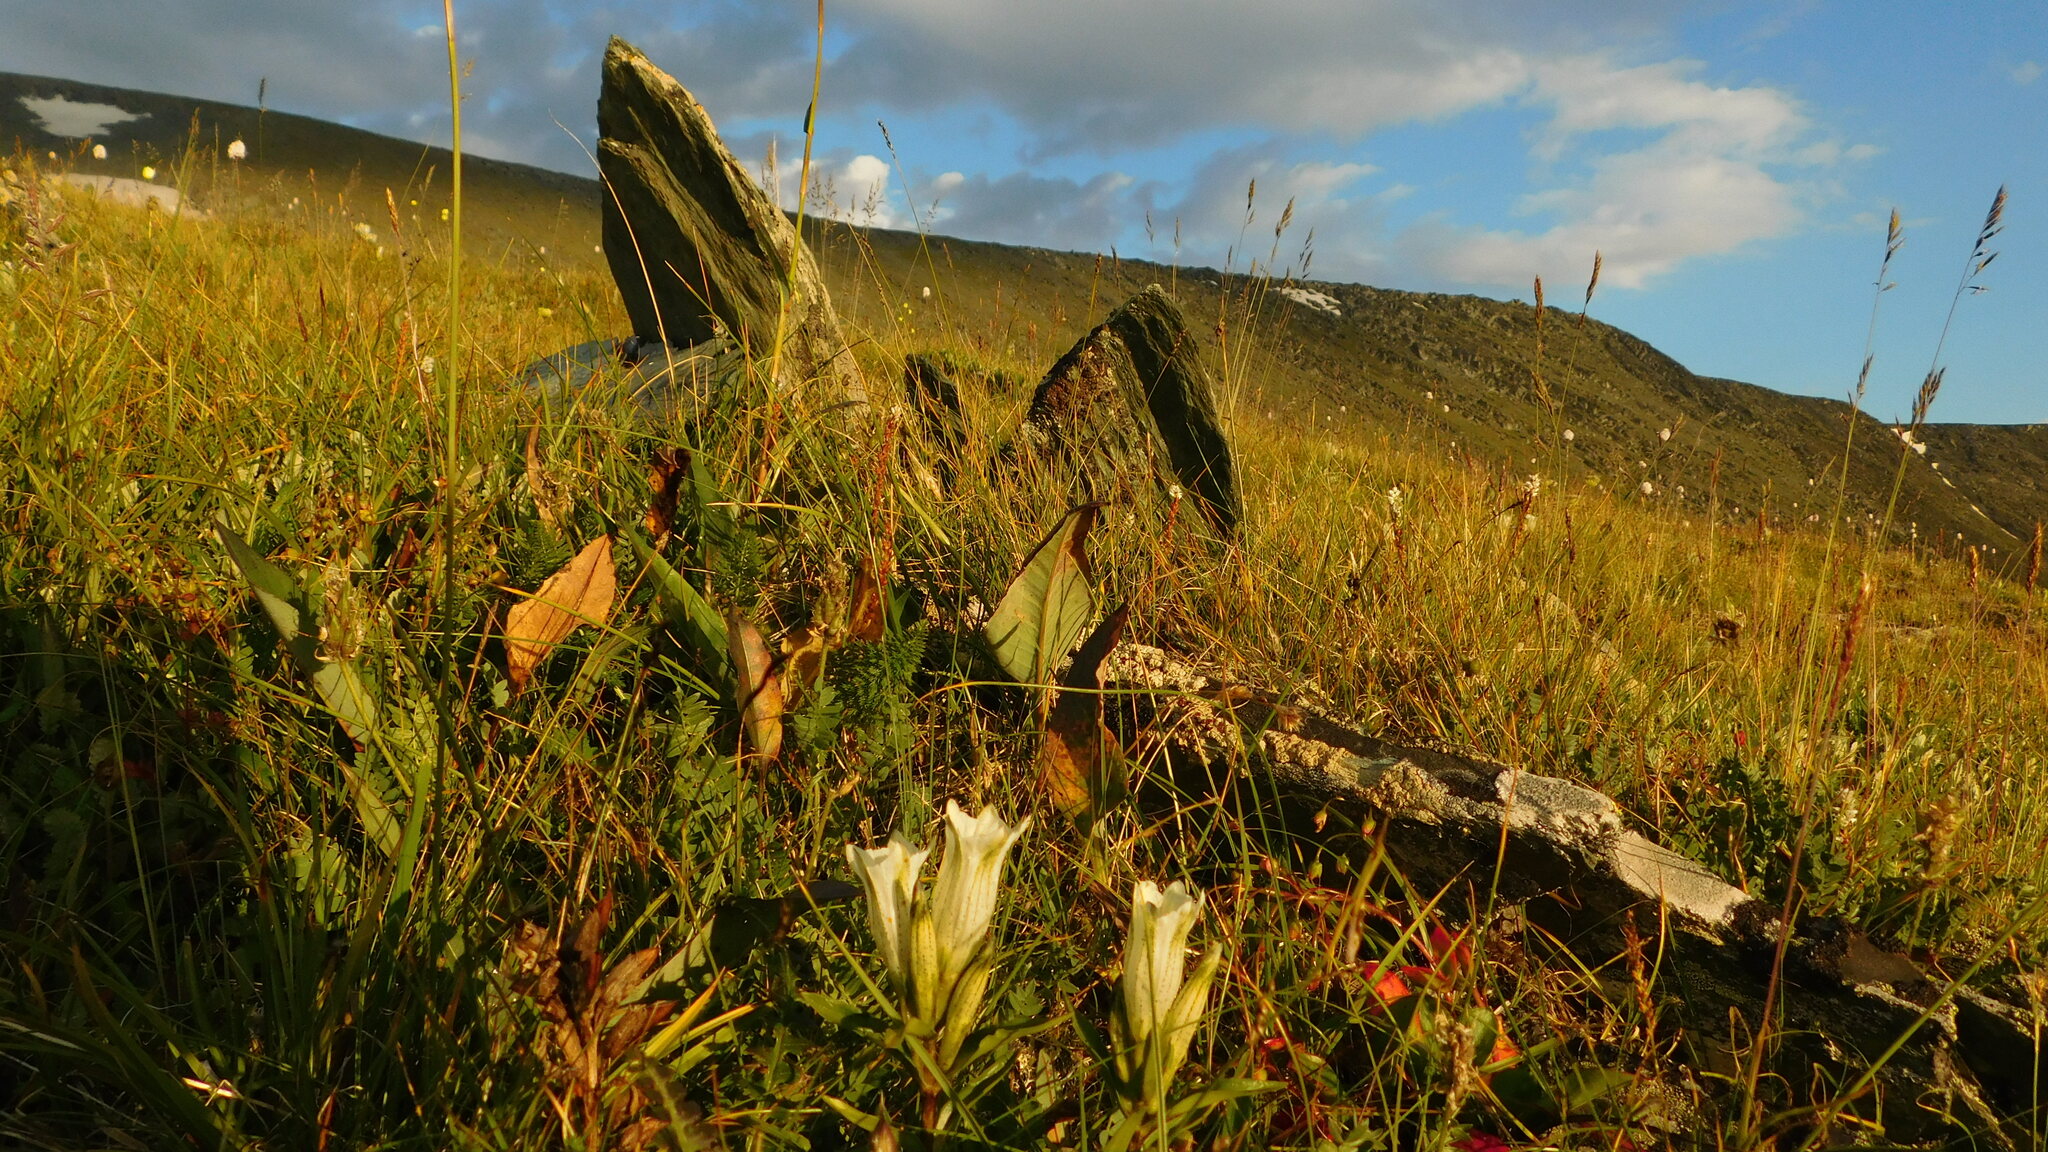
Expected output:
(936, 947)
(99, 151)
(237, 150)
(890, 875)
(964, 899)
(1159, 1009)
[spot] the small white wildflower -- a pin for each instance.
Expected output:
(1173, 492)
(543, 250)
(1159, 1002)
(1568, 437)
(427, 365)
(925, 293)
(1447, 408)
(237, 150)
(366, 232)
(1429, 395)
(99, 151)
(1649, 489)
(597, 248)
(1394, 498)
(1663, 433)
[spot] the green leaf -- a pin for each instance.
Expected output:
(1048, 606)
(682, 607)
(1581, 1087)
(336, 683)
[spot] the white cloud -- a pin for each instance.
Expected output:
(853, 188)
(1649, 159)
(2025, 72)
(1719, 171)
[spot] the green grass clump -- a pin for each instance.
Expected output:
(350, 884)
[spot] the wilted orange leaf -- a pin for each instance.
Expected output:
(580, 592)
(755, 684)
(669, 467)
(1079, 761)
(803, 660)
(864, 618)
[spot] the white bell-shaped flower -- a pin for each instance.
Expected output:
(1160, 1006)
(891, 874)
(970, 876)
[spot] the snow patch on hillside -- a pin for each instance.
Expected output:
(76, 118)
(1320, 301)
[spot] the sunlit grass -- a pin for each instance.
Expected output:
(201, 935)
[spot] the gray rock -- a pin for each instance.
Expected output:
(697, 250)
(1130, 391)
(936, 399)
(645, 373)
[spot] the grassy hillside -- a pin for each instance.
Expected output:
(1453, 370)
(298, 850)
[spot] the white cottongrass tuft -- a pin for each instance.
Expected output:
(99, 151)
(237, 150)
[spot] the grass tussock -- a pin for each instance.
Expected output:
(356, 886)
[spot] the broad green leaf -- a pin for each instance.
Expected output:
(682, 606)
(1048, 605)
(336, 682)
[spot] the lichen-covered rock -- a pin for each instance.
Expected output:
(1833, 1003)
(696, 248)
(1134, 390)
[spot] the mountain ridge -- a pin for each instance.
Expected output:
(1572, 399)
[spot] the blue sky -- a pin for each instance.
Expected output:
(1734, 162)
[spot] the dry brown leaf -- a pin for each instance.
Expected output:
(803, 661)
(666, 472)
(756, 686)
(580, 592)
(1079, 761)
(865, 620)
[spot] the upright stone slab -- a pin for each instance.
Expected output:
(694, 244)
(1130, 390)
